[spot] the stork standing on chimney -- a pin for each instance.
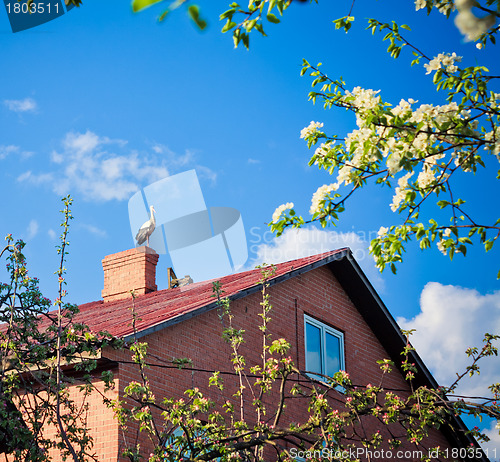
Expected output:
(147, 228)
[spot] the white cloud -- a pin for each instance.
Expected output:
(94, 230)
(304, 242)
(159, 148)
(452, 319)
(32, 230)
(36, 179)
(173, 158)
(21, 105)
(492, 447)
(6, 150)
(52, 234)
(189, 158)
(253, 161)
(86, 167)
(86, 143)
(206, 173)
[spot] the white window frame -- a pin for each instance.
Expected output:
(324, 329)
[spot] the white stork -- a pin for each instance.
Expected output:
(147, 228)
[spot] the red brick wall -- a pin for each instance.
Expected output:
(316, 293)
(98, 418)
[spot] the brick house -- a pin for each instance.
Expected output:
(323, 305)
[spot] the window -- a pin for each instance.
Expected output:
(179, 448)
(324, 348)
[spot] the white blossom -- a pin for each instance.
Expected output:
(468, 23)
(420, 4)
(441, 247)
(323, 149)
(425, 178)
(401, 191)
(361, 138)
(446, 60)
(433, 65)
(393, 162)
(494, 101)
(382, 231)
(344, 174)
(364, 99)
(320, 195)
(493, 137)
(445, 8)
(277, 213)
(421, 141)
(311, 129)
(403, 108)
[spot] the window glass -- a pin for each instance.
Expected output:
(332, 344)
(313, 348)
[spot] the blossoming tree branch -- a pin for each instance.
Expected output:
(420, 150)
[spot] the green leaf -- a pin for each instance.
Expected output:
(246, 40)
(138, 5)
(272, 18)
(227, 14)
(228, 26)
(194, 13)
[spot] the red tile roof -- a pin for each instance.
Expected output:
(156, 308)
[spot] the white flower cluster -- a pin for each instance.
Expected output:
(420, 4)
(494, 141)
(364, 100)
(441, 247)
(401, 191)
(382, 231)
(444, 6)
(403, 108)
(356, 142)
(408, 145)
(445, 239)
(443, 59)
(277, 213)
(320, 195)
(424, 135)
(426, 177)
(311, 129)
(368, 142)
(322, 151)
(495, 101)
(468, 23)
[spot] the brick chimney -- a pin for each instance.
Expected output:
(133, 269)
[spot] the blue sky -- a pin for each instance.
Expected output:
(100, 102)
